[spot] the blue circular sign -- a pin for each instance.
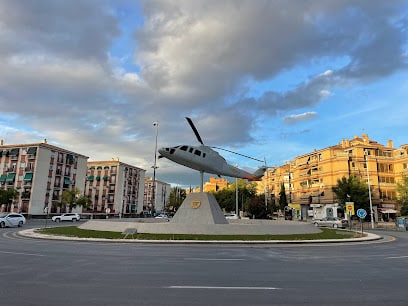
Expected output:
(361, 213)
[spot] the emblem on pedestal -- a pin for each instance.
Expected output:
(195, 204)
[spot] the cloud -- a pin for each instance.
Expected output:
(62, 80)
(63, 29)
(293, 119)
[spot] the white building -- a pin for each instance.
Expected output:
(114, 188)
(161, 195)
(40, 172)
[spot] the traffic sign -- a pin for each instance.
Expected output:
(361, 213)
(350, 208)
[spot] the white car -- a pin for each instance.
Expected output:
(331, 222)
(11, 220)
(231, 216)
(73, 217)
(162, 216)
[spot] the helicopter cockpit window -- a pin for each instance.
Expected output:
(197, 152)
(183, 148)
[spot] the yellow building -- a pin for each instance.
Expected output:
(213, 185)
(309, 178)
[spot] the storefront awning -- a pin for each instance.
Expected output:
(389, 211)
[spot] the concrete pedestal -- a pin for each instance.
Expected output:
(199, 208)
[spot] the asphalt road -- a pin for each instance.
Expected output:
(43, 272)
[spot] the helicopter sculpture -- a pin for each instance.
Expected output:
(206, 160)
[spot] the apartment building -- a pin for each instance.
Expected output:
(115, 188)
(161, 195)
(213, 185)
(309, 178)
(40, 172)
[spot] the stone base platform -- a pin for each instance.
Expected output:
(235, 227)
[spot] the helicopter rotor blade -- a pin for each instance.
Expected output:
(239, 154)
(194, 130)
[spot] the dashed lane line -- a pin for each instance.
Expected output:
(19, 253)
(223, 288)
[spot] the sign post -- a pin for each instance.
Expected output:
(361, 213)
(46, 210)
(350, 210)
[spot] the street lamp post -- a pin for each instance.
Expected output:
(236, 197)
(153, 198)
(369, 190)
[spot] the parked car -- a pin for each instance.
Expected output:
(162, 216)
(73, 217)
(331, 222)
(231, 216)
(11, 220)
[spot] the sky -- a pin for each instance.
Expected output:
(272, 79)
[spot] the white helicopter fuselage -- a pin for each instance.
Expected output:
(204, 159)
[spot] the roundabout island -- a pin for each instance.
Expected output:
(200, 220)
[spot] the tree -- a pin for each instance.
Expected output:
(352, 189)
(248, 201)
(84, 201)
(177, 196)
(402, 189)
(72, 198)
(257, 208)
(7, 197)
(283, 201)
(226, 199)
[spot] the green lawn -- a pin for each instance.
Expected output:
(73, 231)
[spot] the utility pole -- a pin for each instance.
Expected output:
(369, 190)
(153, 197)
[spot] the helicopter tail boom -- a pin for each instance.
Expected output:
(257, 175)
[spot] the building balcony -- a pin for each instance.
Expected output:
(25, 195)
(386, 184)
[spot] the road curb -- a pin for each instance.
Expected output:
(30, 233)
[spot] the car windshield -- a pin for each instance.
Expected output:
(3, 215)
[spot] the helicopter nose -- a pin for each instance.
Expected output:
(162, 152)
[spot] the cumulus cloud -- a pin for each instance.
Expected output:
(190, 58)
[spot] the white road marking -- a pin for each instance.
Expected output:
(394, 257)
(25, 254)
(214, 259)
(224, 288)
